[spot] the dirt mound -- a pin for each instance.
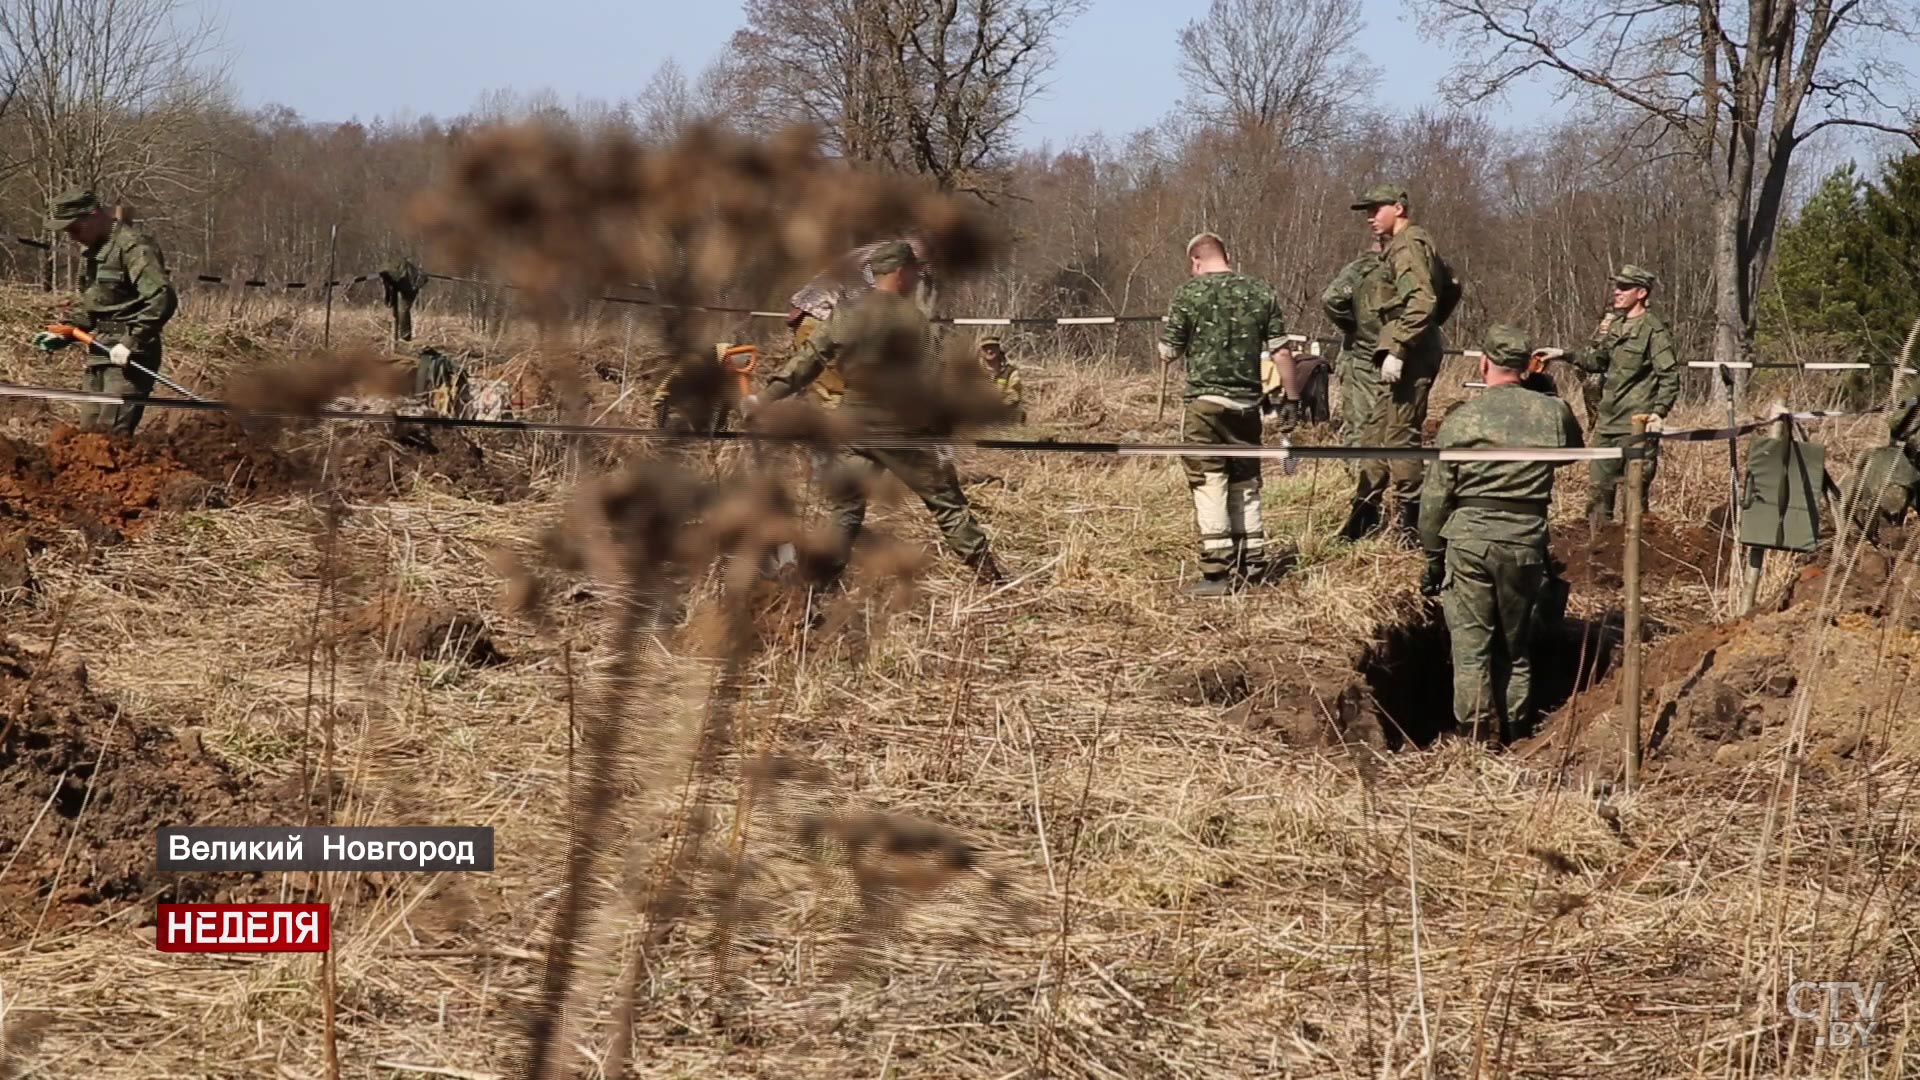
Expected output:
(244, 460)
(1719, 696)
(83, 785)
(1669, 552)
(109, 488)
(374, 464)
(103, 486)
(408, 631)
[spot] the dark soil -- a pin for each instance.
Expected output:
(1722, 695)
(109, 488)
(372, 464)
(105, 780)
(1675, 552)
(408, 631)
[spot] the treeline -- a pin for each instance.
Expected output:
(1267, 155)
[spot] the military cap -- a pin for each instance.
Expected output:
(893, 256)
(1508, 347)
(1200, 238)
(71, 207)
(1638, 277)
(1379, 195)
(990, 339)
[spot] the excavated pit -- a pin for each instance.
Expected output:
(1406, 677)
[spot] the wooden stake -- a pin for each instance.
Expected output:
(1630, 571)
(1160, 409)
(326, 327)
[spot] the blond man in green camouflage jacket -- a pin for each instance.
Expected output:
(1222, 323)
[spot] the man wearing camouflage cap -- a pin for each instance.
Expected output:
(126, 299)
(1483, 525)
(853, 274)
(1409, 299)
(1006, 377)
(1633, 353)
(883, 344)
(1221, 323)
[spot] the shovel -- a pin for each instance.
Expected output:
(87, 339)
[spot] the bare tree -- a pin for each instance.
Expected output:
(105, 86)
(111, 95)
(1736, 85)
(1286, 69)
(934, 87)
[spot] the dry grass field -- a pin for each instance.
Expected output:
(1072, 826)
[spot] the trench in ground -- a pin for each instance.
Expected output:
(1408, 673)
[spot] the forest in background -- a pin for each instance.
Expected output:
(1268, 154)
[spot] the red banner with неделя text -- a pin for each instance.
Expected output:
(234, 928)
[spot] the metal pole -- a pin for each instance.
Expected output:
(1630, 571)
(326, 327)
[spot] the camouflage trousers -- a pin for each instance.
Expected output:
(1881, 489)
(925, 472)
(124, 382)
(1360, 399)
(1226, 490)
(1399, 418)
(400, 306)
(1492, 594)
(1606, 475)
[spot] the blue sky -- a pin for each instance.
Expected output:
(349, 59)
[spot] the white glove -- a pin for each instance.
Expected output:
(1655, 424)
(749, 405)
(119, 355)
(1390, 369)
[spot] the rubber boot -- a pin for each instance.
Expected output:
(985, 570)
(1362, 521)
(1406, 524)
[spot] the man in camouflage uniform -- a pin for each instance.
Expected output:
(883, 345)
(1006, 377)
(1484, 528)
(1886, 478)
(1222, 322)
(1361, 392)
(401, 282)
(127, 297)
(1404, 300)
(1633, 352)
(811, 307)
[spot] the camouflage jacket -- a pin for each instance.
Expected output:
(402, 277)
(1509, 415)
(1222, 324)
(882, 345)
(1359, 330)
(126, 288)
(1006, 380)
(851, 276)
(1401, 302)
(1642, 374)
